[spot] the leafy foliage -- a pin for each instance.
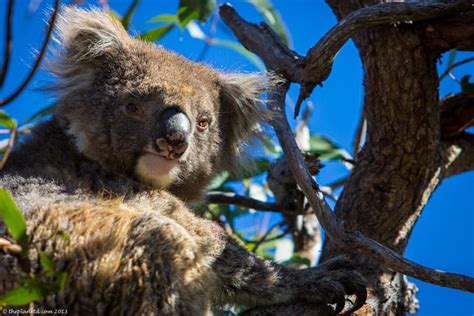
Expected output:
(33, 287)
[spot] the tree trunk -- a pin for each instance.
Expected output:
(400, 164)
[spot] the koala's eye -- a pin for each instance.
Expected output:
(132, 108)
(202, 123)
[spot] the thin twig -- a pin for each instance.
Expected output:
(283, 234)
(451, 67)
(8, 149)
(8, 42)
(265, 236)
(38, 60)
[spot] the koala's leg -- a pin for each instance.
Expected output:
(242, 277)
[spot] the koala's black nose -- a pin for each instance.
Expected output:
(173, 133)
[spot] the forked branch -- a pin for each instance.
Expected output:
(314, 68)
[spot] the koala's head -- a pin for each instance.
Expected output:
(142, 111)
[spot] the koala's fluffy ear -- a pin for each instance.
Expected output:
(242, 110)
(241, 104)
(82, 37)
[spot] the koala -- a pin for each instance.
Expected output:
(137, 135)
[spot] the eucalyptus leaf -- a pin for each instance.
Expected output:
(6, 120)
(13, 218)
(23, 295)
(171, 18)
(326, 149)
(47, 264)
(197, 9)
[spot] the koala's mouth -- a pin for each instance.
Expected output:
(156, 169)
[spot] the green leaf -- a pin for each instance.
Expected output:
(273, 18)
(13, 218)
(218, 181)
(466, 86)
(47, 264)
(23, 295)
(6, 120)
(326, 149)
(195, 9)
(241, 50)
(42, 113)
(129, 14)
(156, 34)
(171, 18)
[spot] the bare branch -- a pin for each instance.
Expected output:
(216, 197)
(262, 40)
(38, 60)
(8, 149)
(8, 43)
(459, 153)
(456, 114)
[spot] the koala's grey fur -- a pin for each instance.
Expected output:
(135, 248)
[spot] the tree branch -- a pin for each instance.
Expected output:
(319, 60)
(8, 43)
(459, 153)
(38, 60)
(456, 114)
(217, 197)
(262, 40)
(455, 32)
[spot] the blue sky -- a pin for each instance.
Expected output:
(443, 237)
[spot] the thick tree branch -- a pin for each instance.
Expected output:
(453, 32)
(38, 60)
(459, 153)
(457, 114)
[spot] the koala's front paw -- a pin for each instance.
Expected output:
(332, 281)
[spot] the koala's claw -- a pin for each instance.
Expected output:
(333, 281)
